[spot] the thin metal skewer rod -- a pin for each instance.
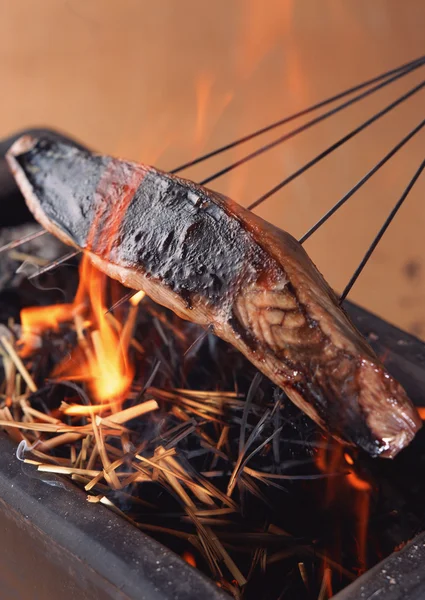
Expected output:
(397, 72)
(121, 301)
(55, 264)
(296, 115)
(380, 233)
(360, 183)
(336, 145)
(28, 238)
(309, 124)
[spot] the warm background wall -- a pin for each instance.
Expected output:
(164, 81)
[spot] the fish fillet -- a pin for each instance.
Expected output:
(215, 263)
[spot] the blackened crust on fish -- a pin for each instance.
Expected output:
(167, 230)
(213, 262)
(177, 234)
(64, 178)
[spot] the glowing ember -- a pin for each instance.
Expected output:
(189, 558)
(348, 459)
(421, 411)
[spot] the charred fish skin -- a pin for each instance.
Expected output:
(194, 248)
(146, 220)
(213, 262)
(143, 219)
(74, 169)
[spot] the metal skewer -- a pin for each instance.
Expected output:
(23, 240)
(336, 145)
(360, 183)
(380, 233)
(301, 113)
(55, 264)
(381, 81)
(122, 300)
(309, 124)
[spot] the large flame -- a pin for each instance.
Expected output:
(103, 364)
(101, 356)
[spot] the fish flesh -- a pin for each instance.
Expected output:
(217, 264)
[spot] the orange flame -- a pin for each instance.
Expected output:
(211, 104)
(37, 319)
(204, 86)
(421, 411)
(354, 488)
(79, 410)
(348, 459)
(102, 363)
(138, 297)
(259, 36)
(362, 504)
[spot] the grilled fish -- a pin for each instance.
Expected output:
(215, 263)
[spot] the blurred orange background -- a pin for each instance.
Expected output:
(162, 82)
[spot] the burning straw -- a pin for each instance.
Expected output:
(119, 415)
